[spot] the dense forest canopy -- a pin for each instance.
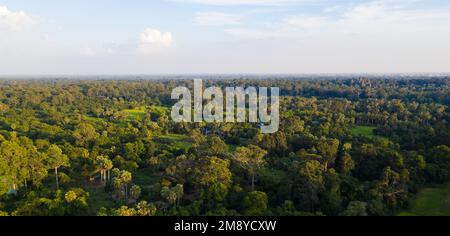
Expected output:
(346, 146)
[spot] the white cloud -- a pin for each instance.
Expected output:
(364, 19)
(388, 20)
(217, 19)
(14, 20)
(373, 36)
(245, 2)
(156, 37)
(365, 11)
(153, 40)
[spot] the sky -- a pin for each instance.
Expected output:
(90, 37)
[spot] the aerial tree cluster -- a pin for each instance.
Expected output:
(346, 146)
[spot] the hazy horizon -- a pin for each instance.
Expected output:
(227, 76)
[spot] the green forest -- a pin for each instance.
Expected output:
(108, 147)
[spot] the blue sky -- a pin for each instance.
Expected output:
(223, 36)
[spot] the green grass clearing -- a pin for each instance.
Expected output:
(366, 131)
(135, 114)
(139, 112)
(432, 201)
(177, 140)
(95, 119)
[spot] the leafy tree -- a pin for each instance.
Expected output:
(215, 146)
(12, 165)
(124, 211)
(439, 164)
(121, 180)
(56, 159)
(328, 149)
(84, 133)
(217, 192)
(76, 201)
(255, 203)
(251, 159)
(172, 195)
(169, 194)
(179, 192)
(392, 187)
(310, 184)
(197, 137)
(356, 208)
(144, 208)
(105, 166)
(70, 196)
(346, 164)
(135, 192)
(211, 170)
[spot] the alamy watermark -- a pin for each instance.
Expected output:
(236, 110)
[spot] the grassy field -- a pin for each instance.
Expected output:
(367, 131)
(139, 112)
(433, 201)
(94, 119)
(177, 140)
(135, 114)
